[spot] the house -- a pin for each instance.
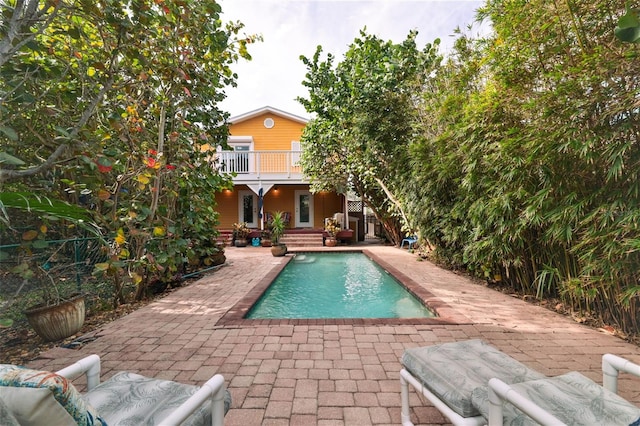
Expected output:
(264, 153)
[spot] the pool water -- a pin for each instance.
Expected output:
(336, 285)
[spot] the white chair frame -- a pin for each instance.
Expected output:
(499, 392)
(407, 379)
(212, 390)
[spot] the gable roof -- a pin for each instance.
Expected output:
(265, 110)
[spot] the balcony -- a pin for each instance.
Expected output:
(261, 165)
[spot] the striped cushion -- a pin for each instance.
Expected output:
(572, 398)
(452, 371)
(129, 398)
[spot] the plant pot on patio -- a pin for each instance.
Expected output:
(57, 321)
(240, 234)
(278, 250)
(330, 242)
(240, 242)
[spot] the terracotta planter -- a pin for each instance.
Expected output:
(330, 242)
(266, 243)
(279, 250)
(58, 321)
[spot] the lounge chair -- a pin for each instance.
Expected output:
(468, 381)
(32, 397)
(567, 399)
(410, 241)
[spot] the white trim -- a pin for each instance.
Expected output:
(264, 110)
(254, 221)
(240, 140)
(296, 151)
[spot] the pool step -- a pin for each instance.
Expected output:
(302, 240)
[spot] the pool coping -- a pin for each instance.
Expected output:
(446, 315)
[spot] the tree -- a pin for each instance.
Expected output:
(114, 105)
(527, 164)
(364, 121)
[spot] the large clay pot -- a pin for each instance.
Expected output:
(57, 321)
(278, 250)
(330, 242)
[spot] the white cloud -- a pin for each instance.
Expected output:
(291, 28)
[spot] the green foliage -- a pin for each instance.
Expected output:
(358, 140)
(527, 162)
(113, 106)
(516, 156)
(44, 206)
(628, 28)
(277, 226)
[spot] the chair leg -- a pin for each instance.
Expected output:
(404, 396)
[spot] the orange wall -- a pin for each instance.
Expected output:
(279, 137)
(325, 204)
(227, 206)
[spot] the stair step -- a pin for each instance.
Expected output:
(290, 239)
(302, 240)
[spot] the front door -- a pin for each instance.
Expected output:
(304, 209)
(248, 208)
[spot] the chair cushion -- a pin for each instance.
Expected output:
(6, 416)
(40, 397)
(572, 398)
(451, 371)
(129, 398)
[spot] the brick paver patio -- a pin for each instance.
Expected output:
(336, 374)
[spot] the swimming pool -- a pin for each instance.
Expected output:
(336, 285)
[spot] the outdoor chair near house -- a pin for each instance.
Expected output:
(286, 218)
(409, 240)
(33, 397)
(473, 383)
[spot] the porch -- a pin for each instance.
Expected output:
(294, 237)
(249, 166)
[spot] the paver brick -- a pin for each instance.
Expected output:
(278, 409)
(325, 374)
(305, 406)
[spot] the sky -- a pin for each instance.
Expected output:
(291, 28)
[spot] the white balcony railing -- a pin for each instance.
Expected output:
(260, 164)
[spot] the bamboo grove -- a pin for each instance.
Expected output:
(519, 154)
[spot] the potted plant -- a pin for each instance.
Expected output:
(332, 227)
(59, 314)
(265, 238)
(277, 226)
(240, 233)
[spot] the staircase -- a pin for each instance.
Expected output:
(225, 237)
(302, 240)
(291, 239)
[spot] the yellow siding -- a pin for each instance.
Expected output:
(326, 204)
(279, 137)
(227, 206)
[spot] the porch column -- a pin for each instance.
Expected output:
(345, 225)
